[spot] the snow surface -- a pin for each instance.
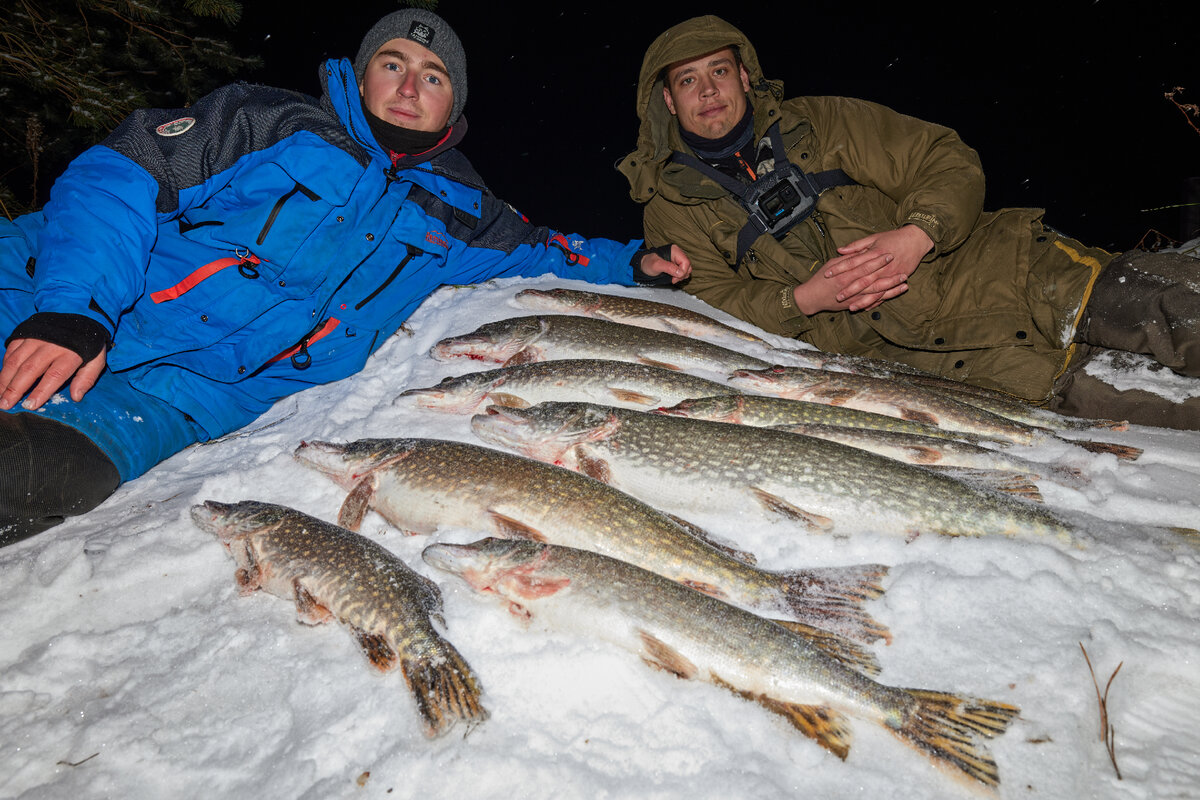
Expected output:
(130, 667)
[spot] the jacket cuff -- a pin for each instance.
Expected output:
(933, 228)
(661, 279)
(793, 321)
(82, 335)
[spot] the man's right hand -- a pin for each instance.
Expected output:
(44, 368)
(821, 292)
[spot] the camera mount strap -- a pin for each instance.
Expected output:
(777, 200)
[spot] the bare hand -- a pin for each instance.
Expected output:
(679, 267)
(867, 287)
(32, 361)
(832, 289)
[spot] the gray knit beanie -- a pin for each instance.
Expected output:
(428, 30)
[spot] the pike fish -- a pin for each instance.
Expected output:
(331, 573)
(619, 383)
(633, 311)
(688, 465)
(696, 637)
(549, 337)
(903, 399)
(419, 485)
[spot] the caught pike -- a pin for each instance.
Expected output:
(698, 638)
(632, 311)
(618, 383)
(903, 399)
(332, 573)
(548, 337)
(690, 465)
(421, 484)
(768, 411)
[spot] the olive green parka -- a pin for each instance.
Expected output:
(997, 300)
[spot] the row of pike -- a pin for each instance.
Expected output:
(590, 516)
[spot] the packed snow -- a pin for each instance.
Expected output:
(130, 667)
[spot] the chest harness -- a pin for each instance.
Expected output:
(774, 201)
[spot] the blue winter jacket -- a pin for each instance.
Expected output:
(260, 242)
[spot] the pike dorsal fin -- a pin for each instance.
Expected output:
(744, 556)
(834, 646)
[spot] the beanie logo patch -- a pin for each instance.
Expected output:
(421, 33)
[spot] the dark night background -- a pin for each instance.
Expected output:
(1064, 102)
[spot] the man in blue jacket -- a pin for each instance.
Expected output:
(202, 263)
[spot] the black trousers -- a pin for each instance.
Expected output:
(48, 471)
(1147, 303)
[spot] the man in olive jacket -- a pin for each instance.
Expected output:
(896, 258)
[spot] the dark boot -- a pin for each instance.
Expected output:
(48, 471)
(1147, 303)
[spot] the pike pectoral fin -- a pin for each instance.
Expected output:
(706, 588)
(308, 610)
(594, 467)
(653, 362)
(829, 728)
(509, 528)
(833, 397)
(838, 647)
(636, 398)
(508, 400)
(661, 655)
(777, 505)
(381, 654)
(917, 415)
(1123, 452)
(355, 506)
(526, 355)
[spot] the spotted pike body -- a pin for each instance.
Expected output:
(696, 637)
(419, 485)
(548, 337)
(331, 573)
(618, 383)
(712, 466)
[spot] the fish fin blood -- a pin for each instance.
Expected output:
(593, 467)
(917, 415)
(998, 480)
(777, 505)
(837, 647)
(308, 609)
(354, 507)
(946, 727)
(509, 528)
(831, 598)
(827, 727)
(507, 399)
(653, 362)
(744, 556)
(1121, 451)
(660, 655)
(527, 355)
(635, 398)
(445, 689)
(378, 650)
(922, 454)
(249, 576)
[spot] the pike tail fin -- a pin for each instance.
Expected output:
(947, 728)
(831, 598)
(445, 688)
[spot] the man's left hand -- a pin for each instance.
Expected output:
(679, 267)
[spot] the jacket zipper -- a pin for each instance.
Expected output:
(309, 193)
(413, 252)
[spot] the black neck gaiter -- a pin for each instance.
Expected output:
(736, 140)
(401, 140)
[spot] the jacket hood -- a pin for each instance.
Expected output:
(658, 134)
